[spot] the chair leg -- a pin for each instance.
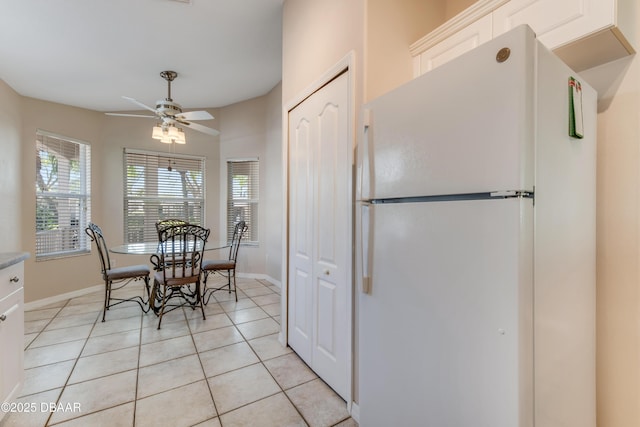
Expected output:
(152, 298)
(107, 296)
(200, 297)
(235, 288)
(146, 286)
(204, 288)
(164, 299)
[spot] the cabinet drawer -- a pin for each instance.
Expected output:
(11, 279)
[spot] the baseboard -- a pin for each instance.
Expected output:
(355, 412)
(34, 305)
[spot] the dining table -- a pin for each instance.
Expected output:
(154, 249)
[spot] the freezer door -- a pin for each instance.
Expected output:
(465, 127)
(446, 328)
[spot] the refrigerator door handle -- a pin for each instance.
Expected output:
(366, 245)
(363, 175)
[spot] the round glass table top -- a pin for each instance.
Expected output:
(150, 248)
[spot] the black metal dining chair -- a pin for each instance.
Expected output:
(116, 278)
(179, 261)
(225, 267)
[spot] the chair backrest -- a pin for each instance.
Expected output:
(238, 232)
(95, 233)
(164, 223)
(181, 252)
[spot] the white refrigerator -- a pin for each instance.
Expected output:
(476, 244)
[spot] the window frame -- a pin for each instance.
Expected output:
(70, 240)
(150, 203)
(249, 204)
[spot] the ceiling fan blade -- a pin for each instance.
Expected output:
(199, 128)
(194, 115)
(139, 104)
(130, 115)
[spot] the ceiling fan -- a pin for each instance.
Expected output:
(170, 113)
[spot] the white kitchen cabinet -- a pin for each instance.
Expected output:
(584, 33)
(11, 327)
(465, 31)
(462, 41)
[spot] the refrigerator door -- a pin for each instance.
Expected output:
(465, 127)
(446, 328)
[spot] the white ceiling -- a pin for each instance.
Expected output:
(89, 53)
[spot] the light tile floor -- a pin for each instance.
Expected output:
(227, 370)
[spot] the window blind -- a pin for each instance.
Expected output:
(63, 195)
(161, 186)
(242, 197)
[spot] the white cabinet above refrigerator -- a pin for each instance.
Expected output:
(583, 33)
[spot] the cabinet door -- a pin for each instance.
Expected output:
(11, 345)
(463, 41)
(556, 23)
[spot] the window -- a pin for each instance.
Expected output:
(242, 197)
(160, 186)
(63, 195)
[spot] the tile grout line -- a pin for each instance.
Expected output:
(282, 390)
(104, 376)
(28, 347)
(75, 363)
(204, 374)
(305, 382)
(135, 395)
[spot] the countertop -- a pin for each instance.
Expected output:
(7, 259)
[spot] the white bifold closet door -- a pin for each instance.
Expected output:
(319, 233)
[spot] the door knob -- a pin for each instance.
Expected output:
(3, 317)
(327, 272)
(14, 279)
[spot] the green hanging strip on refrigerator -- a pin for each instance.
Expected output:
(576, 125)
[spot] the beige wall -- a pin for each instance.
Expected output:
(251, 129)
(271, 197)
(618, 246)
(390, 30)
(11, 183)
(55, 276)
(453, 7)
(316, 35)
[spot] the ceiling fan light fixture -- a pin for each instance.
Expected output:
(176, 135)
(157, 132)
(168, 134)
(173, 132)
(181, 139)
